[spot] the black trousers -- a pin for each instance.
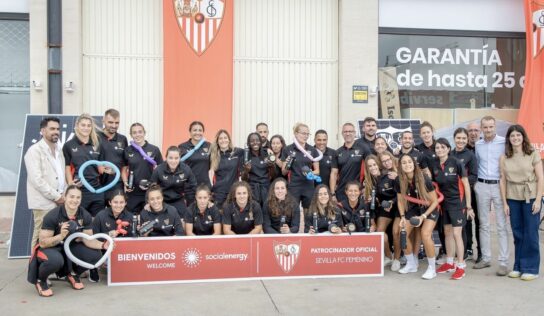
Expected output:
(259, 192)
(54, 259)
(92, 202)
(302, 193)
(181, 207)
(136, 202)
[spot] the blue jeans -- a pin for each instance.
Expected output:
(525, 230)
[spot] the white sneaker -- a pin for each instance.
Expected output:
(395, 266)
(408, 268)
(429, 274)
(387, 261)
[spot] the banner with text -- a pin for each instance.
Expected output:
(215, 258)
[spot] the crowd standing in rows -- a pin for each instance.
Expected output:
(268, 186)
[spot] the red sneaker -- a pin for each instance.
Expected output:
(446, 267)
(458, 274)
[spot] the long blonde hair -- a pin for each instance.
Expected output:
(419, 181)
(93, 135)
(215, 156)
(370, 181)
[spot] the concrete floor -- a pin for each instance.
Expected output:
(479, 293)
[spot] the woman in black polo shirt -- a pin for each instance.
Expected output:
(241, 214)
(451, 176)
(418, 204)
(323, 215)
(176, 180)
(281, 213)
(141, 158)
(353, 207)
(84, 146)
(49, 256)
(257, 171)
(196, 153)
(165, 217)
(277, 144)
(225, 166)
(202, 218)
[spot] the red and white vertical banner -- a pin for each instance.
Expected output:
(531, 113)
(221, 258)
(198, 67)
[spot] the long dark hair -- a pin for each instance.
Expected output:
(328, 211)
(276, 206)
(525, 145)
(418, 178)
(231, 197)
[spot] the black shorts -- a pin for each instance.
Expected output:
(454, 216)
(394, 212)
(417, 211)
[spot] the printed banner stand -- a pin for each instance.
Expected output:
(158, 260)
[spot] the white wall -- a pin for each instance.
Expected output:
(123, 62)
(477, 15)
(14, 6)
(285, 66)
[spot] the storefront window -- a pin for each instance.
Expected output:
(14, 97)
(453, 72)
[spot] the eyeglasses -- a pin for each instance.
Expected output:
(387, 160)
(304, 134)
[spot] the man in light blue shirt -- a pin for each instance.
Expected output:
(488, 152)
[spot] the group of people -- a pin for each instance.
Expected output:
(213, 188)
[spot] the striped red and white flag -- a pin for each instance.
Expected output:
(199, 21)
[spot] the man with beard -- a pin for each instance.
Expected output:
(114, 145)
(369, 134)
(262, 130)
(45, 182)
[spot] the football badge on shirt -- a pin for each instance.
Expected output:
(286, 254)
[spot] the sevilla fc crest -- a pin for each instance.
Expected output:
(199, 21)
(286, 255)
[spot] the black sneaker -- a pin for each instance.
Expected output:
(469, 255)
(478, 259)
(93, 276)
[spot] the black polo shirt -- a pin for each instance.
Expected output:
(428, 152)
(296, 178)
(228, 170)
(329, 161)
(76, 153)
(368, 143)
(242, 221)
(385, 189)
(177, 184)
(272, 223)
(139, 166)
(418, 157)
(353, 214)
(350, 162)
(448, 176)
(468, 159)
(105, 221)
(114, 149)
(260, 169)
(323, 221)
(169, 222)
(203, 222)
(54, 219)
(413, 192)
(199, 162)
